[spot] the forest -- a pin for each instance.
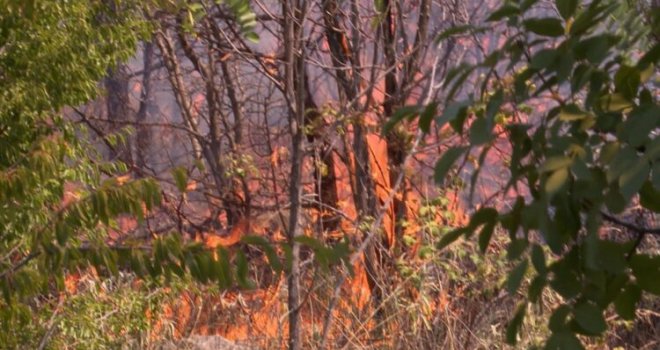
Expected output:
(329, 174)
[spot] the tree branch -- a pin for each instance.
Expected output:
(630, 226)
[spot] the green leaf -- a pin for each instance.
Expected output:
(310, 242)
(456, 78)
(590, 318)
(516, 248)
(526, 4)
(613, 287)
(646, 269)
(615, 201)
(651, 57)
(252, 36)
(626, 302)
(565, 282)
(563, 341)
(426, 117)
(536, 288)
(566, 8)
(288, 256)
(632, 180)
(557, 322)
(555, 163)
(647, 73)
(652, 150)
(556, 181)
(405, 112)
(137, 263)
(452, 112)
(446, 162)
(6, 291)
(61, 233)
(341, 252)
(610, 256)
(494, 104)
(480, 131)
(565, 66)
(180, 178)
(450, 238)
(649, 197)
(485, 236)
(242, 271)
(538, 259)
(453, 31)
(507, 10)
(571, 113)
(482, 216)
(627, 80)
(551, 27)
(637, 128)
(516, 276)
(593, 15)
(624, 159)
(544, 59)
(594, 49)
(513, 328)
(581, 75)
(222, 269)
(608, 152)
(615, 102)
(273, 259)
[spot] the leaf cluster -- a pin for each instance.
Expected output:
(575, 166)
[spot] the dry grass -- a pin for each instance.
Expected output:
(453, 299)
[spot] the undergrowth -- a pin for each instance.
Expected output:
(450, 299)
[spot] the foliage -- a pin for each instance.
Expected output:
(192, 11)
(574, 167)
(106, 314)
(57, 202)
(51, 55)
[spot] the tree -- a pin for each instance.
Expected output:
(52, 55)
(574, 166)
(58, 200)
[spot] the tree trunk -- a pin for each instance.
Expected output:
(118, 111)
(293, 12)
(143, 135)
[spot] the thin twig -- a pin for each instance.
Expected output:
(51, 325)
